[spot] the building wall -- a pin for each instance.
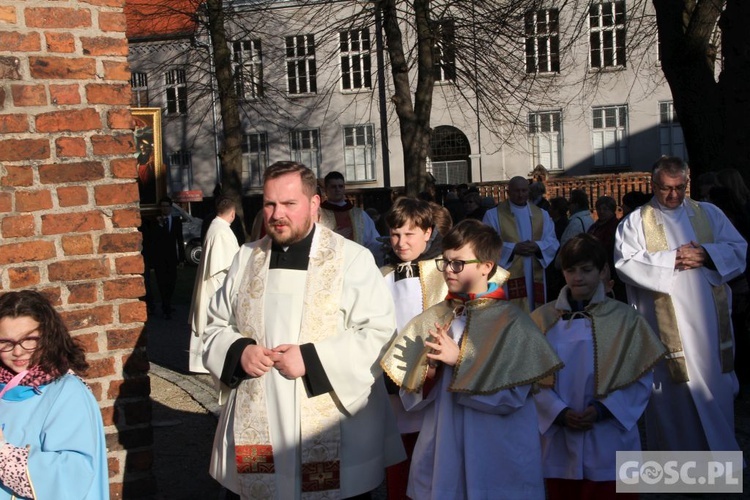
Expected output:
(69, 203)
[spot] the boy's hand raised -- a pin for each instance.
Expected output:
(443, 347)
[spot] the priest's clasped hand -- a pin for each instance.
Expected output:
(288, 361)
(690, 256)
(256, 360)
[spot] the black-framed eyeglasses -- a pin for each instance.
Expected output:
(668, 189)
(455, 265)
(27, 344)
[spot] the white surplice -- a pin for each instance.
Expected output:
(699, 414)
(548, 246)
(369, 437)
(475, 446)
(571, 454)
(219, 249)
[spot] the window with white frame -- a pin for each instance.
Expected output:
(607, 34)
(671, 140)
(139, 90)
(301, 68)
(359, 152)
(545, 139)
(180, 170)
(176, 88)
(610, 136)
(355, 59)
(444, 50)
(254, 159)
(248, 69)
(305, 147)
(542, 41)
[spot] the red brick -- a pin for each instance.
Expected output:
(134, 386)
(53, 294)
(77, 270)
(8, 14)
(105, 3)
(89, 342)
(116, 194)
(6, 202)
(70, 147)
(32, 201)
(133, 312)
(29, 251)
(129, 217)
(116, 489)
(72, 196)
(10, 69)
(78, 244)
(107, 93)
(18, 226)
(58, 173)
(72, 120)
(29, 95)
(119, 119)
(52, 68)
(113, 465)
(17, 176)
(64, 43)
(132, 264)
(124, 288)
(108, 417)
(65, 94)
(111, 144)
(101, 367)
(13, 41)
(96, 389)
(23, 277)
(87, 318)
(112, 21)
(104, 46)
(24, 149)
(116, 70)
(2, 99)
(57, 17)
(82, 293)
(120, 242)
(123, 168)
(13, 124)
(72, 222)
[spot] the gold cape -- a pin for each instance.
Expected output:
(431, 281)
(328, 219)
(625, 346)
(501, 348)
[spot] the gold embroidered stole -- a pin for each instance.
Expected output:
(517, 292)
(666, 319)
(320, 432)
(500, 349)
(328, 219)
(431, 281)
(625, 347)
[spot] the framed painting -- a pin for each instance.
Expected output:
(152, 176)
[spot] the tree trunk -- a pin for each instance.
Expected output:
(231, 151)
(414, 120)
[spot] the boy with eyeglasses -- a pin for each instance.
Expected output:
(470, 362)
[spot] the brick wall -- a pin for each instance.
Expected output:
(69, 202)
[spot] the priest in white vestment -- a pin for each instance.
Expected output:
(676, 256)
(219, 248)
(529, 245)
(295, 335)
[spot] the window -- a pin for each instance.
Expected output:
(610, 136)
(607, 34)
(359, 152)
(176, 92)
(180, 170)
(545, 139)
(139, 90)
(444, 50)
(306, 148)
(254, 159)
(300, 64)
(671, 140)
(355, 59)
(248, 69)
(542, 41)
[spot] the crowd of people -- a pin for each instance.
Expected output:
(490, 350)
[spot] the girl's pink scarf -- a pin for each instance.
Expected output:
(34, 377)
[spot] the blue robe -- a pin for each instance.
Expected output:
(63, 428)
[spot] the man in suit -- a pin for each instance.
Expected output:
(167, 251)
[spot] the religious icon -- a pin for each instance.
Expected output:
(149, 166)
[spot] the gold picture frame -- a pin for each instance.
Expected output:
(151, 173)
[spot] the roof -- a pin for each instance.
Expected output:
(160, 19)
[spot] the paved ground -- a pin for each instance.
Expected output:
(185, 409)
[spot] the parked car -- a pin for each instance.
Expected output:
(191, 233)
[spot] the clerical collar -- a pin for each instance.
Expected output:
(518, 207)
(294, 256)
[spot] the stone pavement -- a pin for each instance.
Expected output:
(185, 410)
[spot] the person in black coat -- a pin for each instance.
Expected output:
(167, 251)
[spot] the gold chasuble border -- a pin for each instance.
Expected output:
(320, 438)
